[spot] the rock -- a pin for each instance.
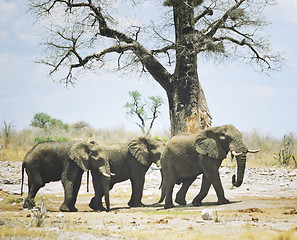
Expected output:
(293, 173)
(207, 214)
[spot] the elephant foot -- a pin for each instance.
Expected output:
(97, 207)
(197, 202)
(167, 206)
(65, 208)
(135, 204)
(28, 203)
(181, 201)
(223, 201)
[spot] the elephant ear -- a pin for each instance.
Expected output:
(138, 148)
(209, 143)
(79, 153)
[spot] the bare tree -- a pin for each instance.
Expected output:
(82, 33)
(144, 110)
(7, 133)
(80, 125)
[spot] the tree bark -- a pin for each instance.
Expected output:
(187, 103)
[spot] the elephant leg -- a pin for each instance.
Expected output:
(217, 184)
(137, 182)
(169, 182)
(168, 198)
(211, 171)
(137, 192)
(205, 186)
(34, 187)
(71, 181)
(69, 195)
(76, 188)
(181, 195)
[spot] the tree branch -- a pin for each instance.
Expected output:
(97, 56)
(223, 19)
(243, 42)
(207, 11)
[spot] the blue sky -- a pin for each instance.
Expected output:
(235, 93)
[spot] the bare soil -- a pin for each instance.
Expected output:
(264, 207)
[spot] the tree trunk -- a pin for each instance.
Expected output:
(188, 107)
(187, 104)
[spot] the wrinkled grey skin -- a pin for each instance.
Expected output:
(128, 161)
(188, 155)
(66, 161)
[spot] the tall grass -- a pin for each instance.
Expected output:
(269, 146)
(22, 141)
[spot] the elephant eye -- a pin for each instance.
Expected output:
(94, 154)
(153, 147)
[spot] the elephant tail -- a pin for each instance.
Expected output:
(162, 196)
(162, 188)
(23, 168)
(88, 177)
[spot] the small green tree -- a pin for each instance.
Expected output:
(41, 120)
(46, 122)
(57, 123)
(145, 110)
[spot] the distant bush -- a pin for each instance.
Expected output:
(49, 138)
(165, 139)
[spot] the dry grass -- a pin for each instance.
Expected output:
(38, 233)
(12, 153)
(194, 233)
(22, 141)
(164, 233)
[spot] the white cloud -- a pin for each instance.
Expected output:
(262, 91)
(3, 35)
(4, 58)
(23, 29)
(287, 10)
(8, 11)
(258, 91)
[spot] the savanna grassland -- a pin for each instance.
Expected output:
(264, 207)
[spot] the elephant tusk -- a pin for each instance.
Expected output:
(236, 153)
(112, 174)
(253, 151)
(106, 174)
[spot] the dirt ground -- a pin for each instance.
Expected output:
(264, 207)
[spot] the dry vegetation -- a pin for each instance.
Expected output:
(20, 142)
(17, 144)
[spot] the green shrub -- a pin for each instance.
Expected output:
(165, 139)
(49, 138)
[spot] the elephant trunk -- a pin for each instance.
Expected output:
(241, 162)
(106, 187)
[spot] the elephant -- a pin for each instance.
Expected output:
(66, 161)
(128, 161)
(188, 155)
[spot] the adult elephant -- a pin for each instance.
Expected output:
(128, 161)
(66, 161)
(188, 155)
